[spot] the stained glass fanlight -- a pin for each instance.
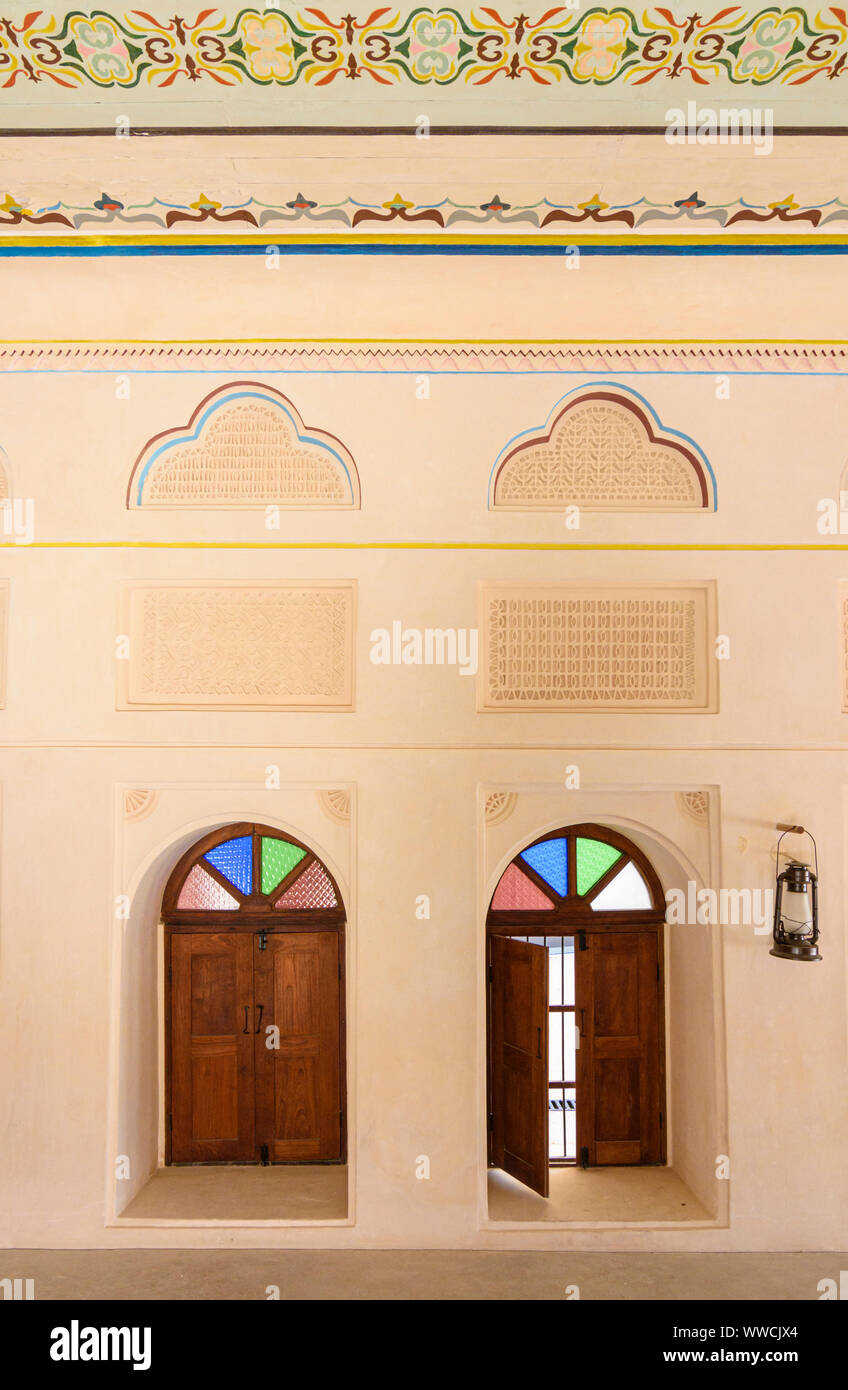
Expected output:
(516, 893)
(234, 859)
(257, 871)
(310, 889)
(278, 859)
(557, 873)
(203, 893)
(550, 860)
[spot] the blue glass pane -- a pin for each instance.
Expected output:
(234, 859)
(550, 860)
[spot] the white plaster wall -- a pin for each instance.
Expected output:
(419, 1081)
(415, 750)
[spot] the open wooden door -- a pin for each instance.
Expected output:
(298, 1082)
(619, 1057)
(211, 1048)
(518, 1003)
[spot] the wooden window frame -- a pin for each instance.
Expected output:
(573, 915)
(255, 913)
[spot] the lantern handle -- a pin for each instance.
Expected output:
(793, 830)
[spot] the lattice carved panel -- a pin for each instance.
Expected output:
(245, 446)
(581, 647)
(238, 646)
(601, 452)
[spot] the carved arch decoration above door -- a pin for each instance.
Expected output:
(245, 446)
(602, 448)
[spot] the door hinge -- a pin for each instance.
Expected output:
(490, 973)
(263, 1155)
(491, 1120)
(581, 941)
(584, 1157)
(263, 940)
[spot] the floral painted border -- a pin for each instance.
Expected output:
(273, 48)
(690, 213)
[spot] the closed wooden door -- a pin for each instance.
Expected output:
(255, 1047)
(619, 1058)
(298, 1072)
(518, 1011)
(212, 1048)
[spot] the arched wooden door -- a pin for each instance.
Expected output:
(254, 960)
(575, 1007)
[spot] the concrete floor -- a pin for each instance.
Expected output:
(243, 1192)
(597, 1194)
(450, 1275)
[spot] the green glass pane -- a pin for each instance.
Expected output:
(593, 860)
(278, 859)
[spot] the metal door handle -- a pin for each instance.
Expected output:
(261, 1008)
(245, 1029)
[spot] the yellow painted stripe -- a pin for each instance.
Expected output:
(418, 545)
(388, 239)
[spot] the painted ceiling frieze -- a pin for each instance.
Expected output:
(587, 216)
(296, 65)
(229, 45)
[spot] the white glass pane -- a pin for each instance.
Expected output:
(628, 890)
(570, 1125)
(556, 1126)
(555, 959)
(555, 1047)
(569, 1057)
(568, 970)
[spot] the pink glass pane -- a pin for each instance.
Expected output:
(312, 889)
(516, 892)
(202, 892)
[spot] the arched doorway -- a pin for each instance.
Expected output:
(254, 1027)
(576, 1054)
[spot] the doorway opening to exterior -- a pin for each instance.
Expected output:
(576, 1039)
(254, 1003)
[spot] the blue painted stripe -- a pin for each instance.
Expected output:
(496, 249)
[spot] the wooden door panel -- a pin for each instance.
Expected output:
(299, 1090)
(518, 1016)
(214, 1083)
(619, 1065)
(212, 1115)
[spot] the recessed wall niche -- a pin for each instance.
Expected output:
(681, 848)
